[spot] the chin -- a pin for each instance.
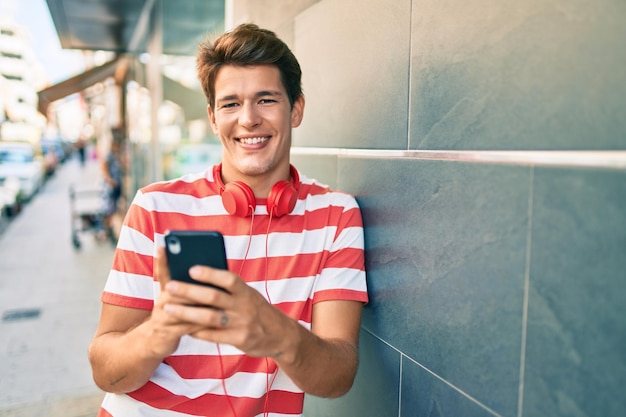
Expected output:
(254, 169)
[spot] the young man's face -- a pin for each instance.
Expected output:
(253, 119)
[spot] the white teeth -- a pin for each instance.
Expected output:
(253, 141)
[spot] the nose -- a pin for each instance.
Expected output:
(249, 116)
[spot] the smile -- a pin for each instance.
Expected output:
(253, 141)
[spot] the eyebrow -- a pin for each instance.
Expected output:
(263, 93)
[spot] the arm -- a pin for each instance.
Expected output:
(324, 362)
(130, 343)
(104, 169)
(119, 357)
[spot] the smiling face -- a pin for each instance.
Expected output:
(253, 119)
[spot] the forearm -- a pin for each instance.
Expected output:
(320, 367)
(122, 361)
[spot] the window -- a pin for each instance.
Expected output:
(12, 55)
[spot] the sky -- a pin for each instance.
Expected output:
(59, 64)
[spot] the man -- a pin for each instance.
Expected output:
(288, 322)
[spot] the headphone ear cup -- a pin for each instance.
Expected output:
(238, 199)
(281, 199)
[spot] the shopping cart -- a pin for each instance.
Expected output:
(87, 212)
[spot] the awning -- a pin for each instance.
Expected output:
(121, 26)
(115, 68)
(193, 102)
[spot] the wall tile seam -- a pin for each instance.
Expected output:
(409, 102)
(432, 373)
(612, 160)
(524, 330)
(401, 379)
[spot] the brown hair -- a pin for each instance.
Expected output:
(248, 45)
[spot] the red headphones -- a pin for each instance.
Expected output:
(238, 197)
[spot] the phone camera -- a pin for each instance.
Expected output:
(173, 245)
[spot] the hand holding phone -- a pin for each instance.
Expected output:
(186, 248)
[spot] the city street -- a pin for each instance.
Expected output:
(49, 301)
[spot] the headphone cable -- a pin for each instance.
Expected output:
(219, 350)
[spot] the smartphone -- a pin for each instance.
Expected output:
(186, 248)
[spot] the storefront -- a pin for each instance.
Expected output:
(147, 88)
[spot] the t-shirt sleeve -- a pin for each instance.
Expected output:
(131, 281)
(343, 275)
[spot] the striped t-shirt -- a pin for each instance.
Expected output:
(313, 254)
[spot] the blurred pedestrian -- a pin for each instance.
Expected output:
(81, 148)
(112, 174)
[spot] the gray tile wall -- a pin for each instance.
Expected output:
(497, 289)
(576, 348)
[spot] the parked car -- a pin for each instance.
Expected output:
(58, 147)
(50, 160)
(9, 197)
(19, 160)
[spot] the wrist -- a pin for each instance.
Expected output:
(289, 350)
(150, 343)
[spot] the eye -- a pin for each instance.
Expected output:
(267, 101)
(228, 105)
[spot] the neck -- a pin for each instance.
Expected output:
(260, 184)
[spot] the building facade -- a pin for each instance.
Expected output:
(21, 76)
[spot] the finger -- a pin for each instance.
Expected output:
(214, 335)
(224, 320)
(196, 294)
(161, 270)
(225, 280)
(203, 316)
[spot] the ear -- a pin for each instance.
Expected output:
(297, 112)
(212, 119)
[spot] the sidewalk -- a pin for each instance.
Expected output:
(49, 302)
